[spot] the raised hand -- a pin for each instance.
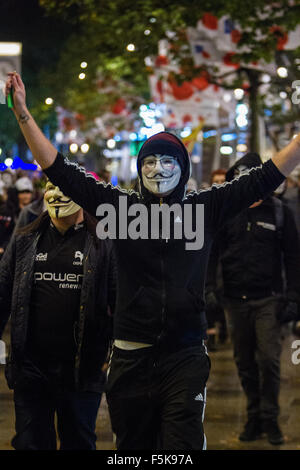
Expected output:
(19, 94)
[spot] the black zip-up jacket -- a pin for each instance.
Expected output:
(254, 252)
(160, 283)
(93, 330)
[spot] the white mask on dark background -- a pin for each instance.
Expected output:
(160, 174)
(58, 205)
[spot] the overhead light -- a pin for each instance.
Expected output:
(111, 143)
(227, 97)
(242, 108)
(8, 161)
(238, 93)
(226, 150)
(130, 47)
(59, 137)
(241, 120)
(73, 148)
(266, 78)
(84, 148)
(185, 132)
(73, 134)
(10, 48)
(282, 72)
(81, 76)
(241, 148)
(83, 65)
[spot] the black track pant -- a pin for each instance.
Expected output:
(157, 400)
(257, 346)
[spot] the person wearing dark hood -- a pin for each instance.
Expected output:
(57, 284)
(159, 366)
(255, 249)
(18, 197)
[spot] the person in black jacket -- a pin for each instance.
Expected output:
(57, 282)
(159, 367)
(255, 249)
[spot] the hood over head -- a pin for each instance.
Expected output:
(250, 160)
(165, 143)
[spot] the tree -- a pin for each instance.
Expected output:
(104, 29)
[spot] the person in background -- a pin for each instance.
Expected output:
(191, 185)
(254, 250)
(57, 281)
(18, 197)
(213, 290)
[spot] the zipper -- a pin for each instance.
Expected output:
(81, 319)
(163, 291)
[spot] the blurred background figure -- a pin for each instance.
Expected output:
(218, 176)
(213, 292)
(18, 196)
(255, 249)
(191, 185)
(64, 278)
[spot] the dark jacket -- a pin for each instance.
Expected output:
(160, 282)
(254, 251)
(29, 213)
(93, 330)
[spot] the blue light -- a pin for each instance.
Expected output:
(228, 137)
(18, 163)
(117, 138)
(209, 134)
(133, 136)
(3, 167)
(114, 180)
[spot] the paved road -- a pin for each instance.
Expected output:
(225, 410)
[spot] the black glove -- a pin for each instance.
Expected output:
(288, 312)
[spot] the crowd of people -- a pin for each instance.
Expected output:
(91, 312)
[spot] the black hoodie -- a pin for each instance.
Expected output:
(160, 282)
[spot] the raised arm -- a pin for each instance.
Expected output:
(71, 178)
(42, 150)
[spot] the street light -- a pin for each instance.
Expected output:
(130, 47)
(84, 148)
(111, 143)
(49, 101)
(81, 76)
(10, 49)
(282, 72)
(73, 148)
(238, 93)
(83, 65)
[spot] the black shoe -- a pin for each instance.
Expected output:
(252, 430)
(273, 432)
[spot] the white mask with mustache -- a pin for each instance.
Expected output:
(160, 174)
(58, 205)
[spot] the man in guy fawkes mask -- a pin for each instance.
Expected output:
(58, 205)
(159, 368)
(64, 280)
(156, 387)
